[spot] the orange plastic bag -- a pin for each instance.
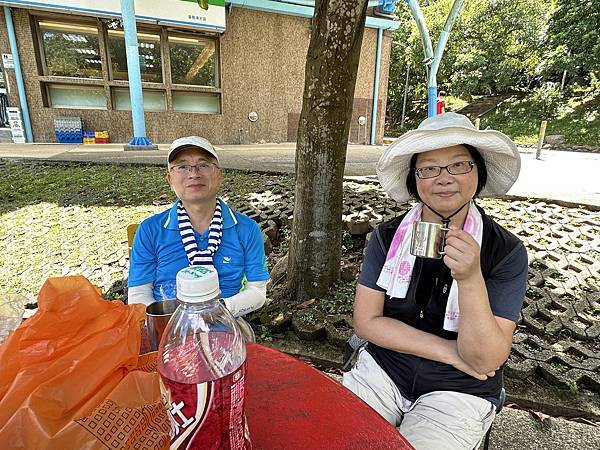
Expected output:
(70, 375)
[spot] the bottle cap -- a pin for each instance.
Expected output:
(197, 284)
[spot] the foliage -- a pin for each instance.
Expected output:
(494, 47)
(572, 385)
(573, 38)
(577, 118)
(193, 64)
(546, 101)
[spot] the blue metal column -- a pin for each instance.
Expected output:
(18, 73)
(376, 85)
(437, 57)
(139, 141)
(415, 10)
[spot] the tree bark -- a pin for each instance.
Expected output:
(330, 78)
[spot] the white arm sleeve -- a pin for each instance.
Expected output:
(140, 294)
(248, 300)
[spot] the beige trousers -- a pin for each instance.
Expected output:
(435, 421)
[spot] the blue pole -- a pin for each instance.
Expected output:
(431, 100)
(12, 39)
(376, 86)
(437, 57)
(139, 141)
(415, 11)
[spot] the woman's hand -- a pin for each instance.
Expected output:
(464, 367)
(462, 254)
(457, 362)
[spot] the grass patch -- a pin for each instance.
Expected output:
(578, 119)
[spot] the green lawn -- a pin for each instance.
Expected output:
(578, 119)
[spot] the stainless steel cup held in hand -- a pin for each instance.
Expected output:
(428, 240)
(157, 318)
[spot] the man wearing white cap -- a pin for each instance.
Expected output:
(440, 330)
(199, 229)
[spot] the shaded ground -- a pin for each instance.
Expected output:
(71, 219)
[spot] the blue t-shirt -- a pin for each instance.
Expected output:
(157, 253)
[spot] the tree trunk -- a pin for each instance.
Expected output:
(330, 77)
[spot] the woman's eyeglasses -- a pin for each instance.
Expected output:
(457, 168)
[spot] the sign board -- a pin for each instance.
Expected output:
(185, 13)
(7, 61)
(16, 125)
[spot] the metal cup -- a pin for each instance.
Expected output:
(157, 317)
(428, 240)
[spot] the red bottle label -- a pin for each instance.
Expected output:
(208, 415)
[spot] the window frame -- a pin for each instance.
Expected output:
(217, 75)
(47, 86)
(114, 104)
(143, 30)
(106, 81)
(92, 23)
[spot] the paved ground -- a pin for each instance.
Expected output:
(566, 176)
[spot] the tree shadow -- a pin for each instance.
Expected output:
(581, 125)
(26, 183)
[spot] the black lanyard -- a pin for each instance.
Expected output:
(445, 220)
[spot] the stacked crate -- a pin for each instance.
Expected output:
(89, 137)
(68, 130)
(101, 137)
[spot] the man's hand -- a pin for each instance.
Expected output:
(462, 254)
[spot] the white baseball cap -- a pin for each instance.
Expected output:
(191, 141)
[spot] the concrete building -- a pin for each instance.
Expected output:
(233, 73)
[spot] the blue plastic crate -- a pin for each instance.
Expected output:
(69, 137)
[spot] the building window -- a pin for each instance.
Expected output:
(71, 51)
(193, 61)
(149, 51)
(153, 100)
(178, 66)
(185, 101)
(69, 96)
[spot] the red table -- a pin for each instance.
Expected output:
(291, 405)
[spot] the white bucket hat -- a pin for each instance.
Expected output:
(501, 156)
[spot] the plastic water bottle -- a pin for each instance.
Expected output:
(202, 365)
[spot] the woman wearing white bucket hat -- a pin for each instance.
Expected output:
(440, 330)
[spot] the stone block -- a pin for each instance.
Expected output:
(309, 325)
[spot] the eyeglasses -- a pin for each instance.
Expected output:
(203, 168)
(457, 168)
